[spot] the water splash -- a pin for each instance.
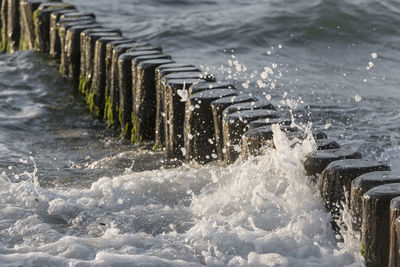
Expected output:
(260, 212)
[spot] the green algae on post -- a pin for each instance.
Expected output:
(99, 72)
(145, 95)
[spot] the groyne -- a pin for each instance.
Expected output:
(149, 97)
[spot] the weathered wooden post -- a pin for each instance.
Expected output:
(218, 108)
(70, 63)
(3, 18)
(376, 224)
(138, 132)
(109, 116)
(209, 86)
(27, 8)
(337, 177)
(13, 25)
(98, 86)
(87, 45)
(175, 115)
(41, 18)
(112, 111)
(59, 18)
(145, 99)
(394, 249)
(125, 89)
(267, 122)
(199, 133)
(234, 126)
(316, 162)
(160, 72)
(255, 139)
(362, 184)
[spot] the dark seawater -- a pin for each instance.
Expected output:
(73, 194)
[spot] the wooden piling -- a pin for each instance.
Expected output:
(112, 111)
(125, 89)
(376, 224)
(175, 114)
(98, 86)
(394, 247)
(90, 38)
(13, 25)
(337, 177)
(199, 133)
(145, 99)
(316, 162)
(234, 126)
(41, 18)
(27, 8)
(361, 185)
(219, 106)
(70, 63)
(59, 18)
(254, 140)
(143, 128)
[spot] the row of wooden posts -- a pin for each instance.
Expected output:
(147, 96)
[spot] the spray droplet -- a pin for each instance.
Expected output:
(327, 126)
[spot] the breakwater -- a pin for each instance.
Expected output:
(185, 135)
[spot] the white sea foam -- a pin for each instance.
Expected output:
(259, 213)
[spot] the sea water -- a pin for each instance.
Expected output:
(73, 194)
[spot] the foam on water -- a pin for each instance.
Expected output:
(259, 213)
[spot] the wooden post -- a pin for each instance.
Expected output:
(125, 89)
(376, 224)
(337, 177)
(145, 98)
(267, 122)
(98, 86)
(90, 37)
(218, 107)
(394, 249)
(160, 71)
(255, 139)
(13, 26)
(41, 18)
(362, 184)
(164, 77)
(108, 115)
(234, 126)
(59, 18)
(197, 88)
(113, 91)
(175, 115)
(70, 63)
(27, 8)
(199, 133)
(316, 162)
